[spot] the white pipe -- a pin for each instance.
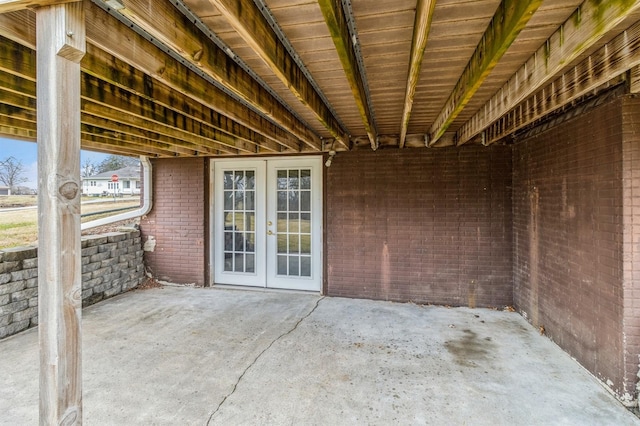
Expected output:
(147, 201)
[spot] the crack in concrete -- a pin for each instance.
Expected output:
(235, 386)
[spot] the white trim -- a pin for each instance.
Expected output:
(216, 244)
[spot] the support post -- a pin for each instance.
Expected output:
(60, 41)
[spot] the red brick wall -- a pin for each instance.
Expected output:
(177, 221)
(567, 224)
(430, 226)
(631, 242)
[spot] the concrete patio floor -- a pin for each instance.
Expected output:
(194, 356)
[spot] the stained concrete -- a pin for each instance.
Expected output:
(192, 356)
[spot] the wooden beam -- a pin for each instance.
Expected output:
(120, 70)
(337, 23)
(195, 47)
(61, 45)
(609, 62)
(421, 27)
(126, 113)
(510, 18)
(245, 17)
(207, 124)
(582, 30)
(13, 5)
(634, 79)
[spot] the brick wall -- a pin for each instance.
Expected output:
(111, 264)
(174, 230)
(568, 236)
(631, 242)
(430, 226)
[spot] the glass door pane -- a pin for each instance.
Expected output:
(294, 222)
(294, 229)
(239, 210)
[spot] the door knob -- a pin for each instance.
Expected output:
(270, 232)
(269, 223)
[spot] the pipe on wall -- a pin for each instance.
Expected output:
(147, 201)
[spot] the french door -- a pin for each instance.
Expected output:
(268, 223)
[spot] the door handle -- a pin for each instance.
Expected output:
(269, 232)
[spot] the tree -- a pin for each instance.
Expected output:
(115, 162)
(88, 168)
(11, 172)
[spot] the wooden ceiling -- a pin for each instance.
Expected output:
(173, 78)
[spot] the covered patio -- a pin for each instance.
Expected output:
(477, 154)
(198, 356)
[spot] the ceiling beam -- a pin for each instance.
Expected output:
(13, 5)
(510, 18)
(591, 20)
(336, 21)
(203, 100)
(421, 27)
(196, 48)
(609, 62)
(20, 111)
(120, 109)
(247, 19)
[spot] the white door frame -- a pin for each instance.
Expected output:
(266, 265)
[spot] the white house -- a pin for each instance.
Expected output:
(127, 182)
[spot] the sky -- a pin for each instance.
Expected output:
(27, 153)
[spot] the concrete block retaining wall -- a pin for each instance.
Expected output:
(111, 264)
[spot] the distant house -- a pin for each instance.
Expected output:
(102, 184)
(5, 190)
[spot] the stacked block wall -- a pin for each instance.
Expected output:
(111, 264)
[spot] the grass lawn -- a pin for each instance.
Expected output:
(20, 228)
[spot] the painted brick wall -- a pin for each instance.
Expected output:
(567, 224)
(631, 242)
(174, 230)
(430, 226)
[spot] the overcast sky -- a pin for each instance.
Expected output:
(27, 153)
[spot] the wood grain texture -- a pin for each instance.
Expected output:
(510, 18)
(337, 24)
(245, 17)
(606, 64)
(590, 22)
(13, 5)
(421, 28)
(59, 266)
(194, 46)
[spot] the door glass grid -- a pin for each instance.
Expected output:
(239, 220)
(294, 222)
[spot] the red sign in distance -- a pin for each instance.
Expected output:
(114, 178)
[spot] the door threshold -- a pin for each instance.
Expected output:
(263, 289)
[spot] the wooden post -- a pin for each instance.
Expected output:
(60, 41)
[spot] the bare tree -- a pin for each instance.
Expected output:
(88, 168)
(11, 172)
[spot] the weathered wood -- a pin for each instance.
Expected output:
(13, 5)
(212, 125)
(336, 22)
(60, 40)
(612, 60)
(582, 30)
(510, 18)
(125, 114)
(194, 46)
(197, 95)
(421, 27)
(245, 17)
(634, 79)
